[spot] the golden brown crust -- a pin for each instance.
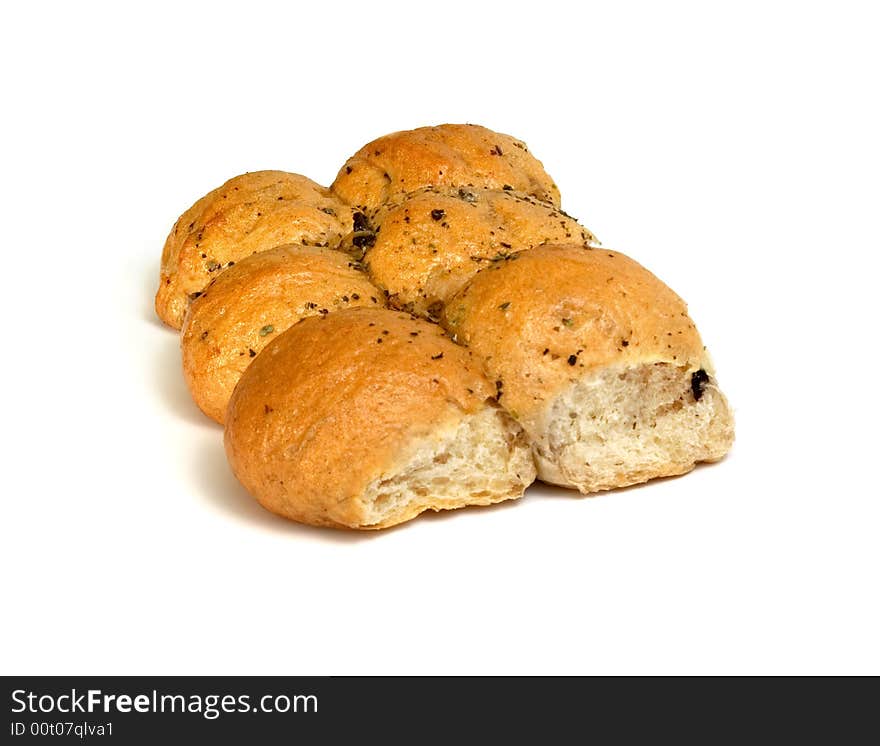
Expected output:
(450, 155)
(248, 305)
(330, 405)
(545, 318)
(249, 213)
(430, 244)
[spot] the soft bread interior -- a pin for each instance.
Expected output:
(483, 459)
(626, 426)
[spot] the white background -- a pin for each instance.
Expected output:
(734, 152)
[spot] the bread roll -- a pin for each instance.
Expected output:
(600, 363)
(248, 305)
(429, 245)
(364, 418)
(249, 213)
(449, 155)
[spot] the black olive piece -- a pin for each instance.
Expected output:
(698, 383)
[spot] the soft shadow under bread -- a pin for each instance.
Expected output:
(151, 279)
(219, 487)
(169, 380)
(556, 492)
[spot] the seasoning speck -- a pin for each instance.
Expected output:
(504, 306)
(268, 329)
(568, 322)
(360, 222)
(437, 356)
(438, 214)
(572, 359)
(363, 239)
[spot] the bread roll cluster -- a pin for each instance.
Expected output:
(430, 332)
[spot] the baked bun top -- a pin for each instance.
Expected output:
(249, 213)
(445, 155)
(334, 402)
(430, 244)
(248, 305)
(544, 318)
